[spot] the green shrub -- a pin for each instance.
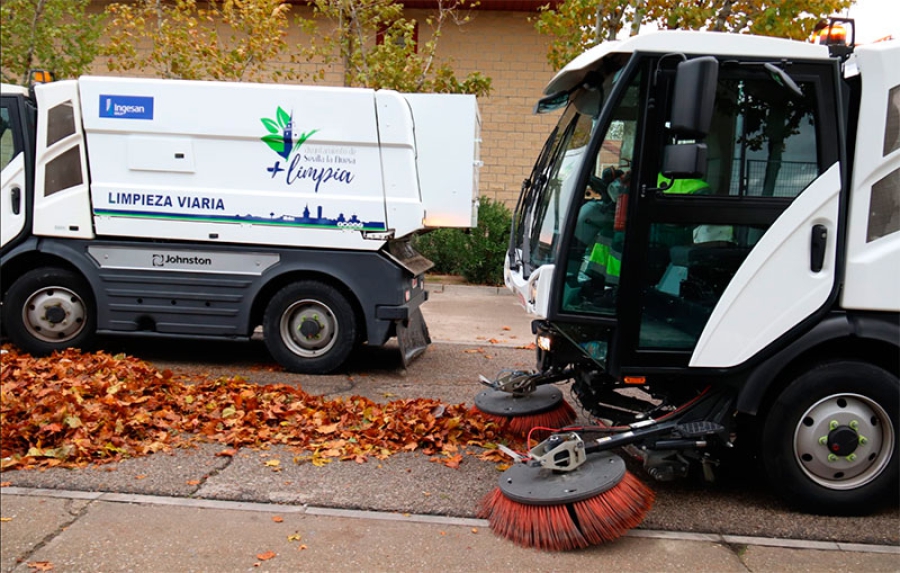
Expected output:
(476, 254)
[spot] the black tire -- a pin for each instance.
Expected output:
(310, 328)
(830, 441)
(50, 309)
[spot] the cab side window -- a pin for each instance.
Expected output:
(762, 141)
(9, 145)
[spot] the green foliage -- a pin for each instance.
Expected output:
(184, 40)
(55, 35)
(597, 21)
(476, 254)
(377, 48)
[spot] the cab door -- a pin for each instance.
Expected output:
(728, 262)
(13, 173)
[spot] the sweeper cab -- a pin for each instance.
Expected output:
(216, 210)
(710, 243)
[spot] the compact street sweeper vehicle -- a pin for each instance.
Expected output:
(206, 209)
(710, 241)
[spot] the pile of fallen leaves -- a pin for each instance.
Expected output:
(74, 409)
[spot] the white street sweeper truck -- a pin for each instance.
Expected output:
(710, 244)
(208, 209)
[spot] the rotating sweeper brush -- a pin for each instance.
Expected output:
(568, 493)
(519, 401)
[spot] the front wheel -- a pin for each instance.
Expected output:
(830, 441)
(50, 309)
(309, 327)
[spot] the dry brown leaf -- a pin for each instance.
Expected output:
(73, 409)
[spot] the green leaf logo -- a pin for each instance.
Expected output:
(280, 137)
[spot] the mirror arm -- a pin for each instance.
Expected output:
(645, 189)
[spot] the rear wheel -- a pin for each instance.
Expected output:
(310, 327)
(830, 441)
(50, 309)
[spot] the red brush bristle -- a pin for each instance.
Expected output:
(604, 517)
(501, 421)
(559, 417)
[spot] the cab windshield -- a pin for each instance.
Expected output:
(541, 214)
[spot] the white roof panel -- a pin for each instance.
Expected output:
(686, 42)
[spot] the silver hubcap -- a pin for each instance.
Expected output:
(309, 328)
(54, 314)
(844, 441)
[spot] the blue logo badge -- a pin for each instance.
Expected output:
(126, 107)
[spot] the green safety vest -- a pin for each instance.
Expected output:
(603, 256)
(684, 186)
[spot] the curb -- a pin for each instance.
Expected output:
(112, 497)
(466, 289)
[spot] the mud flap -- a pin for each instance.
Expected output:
(412, 336)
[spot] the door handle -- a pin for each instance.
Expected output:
(15, 197)
(817, 244)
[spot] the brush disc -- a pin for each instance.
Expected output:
(498, 403)
(539, 486)
(596, 503)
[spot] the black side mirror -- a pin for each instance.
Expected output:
(693, 98)
(685, 161)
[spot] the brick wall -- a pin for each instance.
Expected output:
(503, 46)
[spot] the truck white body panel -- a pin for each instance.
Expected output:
(193, 164)
(402, 199)
(873, 235)
(768, 279)
(448, 171)
(265, 164)
(61, 202)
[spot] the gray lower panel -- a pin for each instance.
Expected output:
(182, 303)
(222, 291)
(154, 257)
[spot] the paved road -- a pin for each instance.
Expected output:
(194, 510)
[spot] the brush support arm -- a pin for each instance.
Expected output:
(566, 451)
(518, 382)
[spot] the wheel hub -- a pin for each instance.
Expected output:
(842, 441)
(310, 328)
(54, 314)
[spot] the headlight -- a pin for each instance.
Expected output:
(543, 342)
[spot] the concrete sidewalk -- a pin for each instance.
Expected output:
(78, 531)
(467, 314)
